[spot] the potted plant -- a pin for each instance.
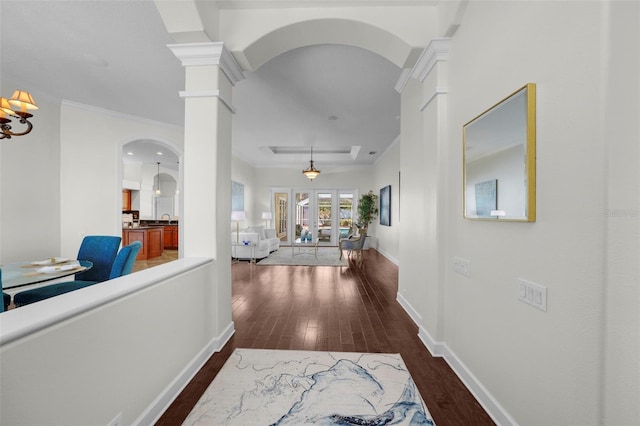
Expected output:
(367, 209)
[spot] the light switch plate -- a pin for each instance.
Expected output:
(532, 294)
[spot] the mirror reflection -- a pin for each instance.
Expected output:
(499, 160)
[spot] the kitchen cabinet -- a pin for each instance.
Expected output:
(151, 237)
(171, 237)
(126, 199)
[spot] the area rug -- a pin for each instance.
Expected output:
(281, 387)
(305, 256)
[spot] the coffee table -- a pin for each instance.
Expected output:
(304, 247)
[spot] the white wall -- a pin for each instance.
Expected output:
(244, 173)
(542, 367)
(91, 143)
(621, 134)
(387, 172)
(30, 186)
(116, 347)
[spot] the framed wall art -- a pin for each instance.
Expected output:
(385, 206)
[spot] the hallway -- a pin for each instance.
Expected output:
(332, 309)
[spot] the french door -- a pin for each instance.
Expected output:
(326, 215)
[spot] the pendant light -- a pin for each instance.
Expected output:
(311, 172)
(158, 192)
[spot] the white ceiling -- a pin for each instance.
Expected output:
(113, 55)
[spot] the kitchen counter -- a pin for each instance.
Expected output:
(158, 222)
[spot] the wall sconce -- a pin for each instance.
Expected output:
(16, 108)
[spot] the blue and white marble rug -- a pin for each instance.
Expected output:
(281, 387)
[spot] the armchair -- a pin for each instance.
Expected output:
(353, 244)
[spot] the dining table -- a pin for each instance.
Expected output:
(21, 274)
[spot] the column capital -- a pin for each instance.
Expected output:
(437, 50)
(208, 53)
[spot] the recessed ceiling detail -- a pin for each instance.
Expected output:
(280, 150)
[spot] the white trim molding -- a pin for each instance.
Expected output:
(436, 92)
(118, 114)
(440, 349)
(208, 94)
(437, 50)
(405, 75)
(415, 316)
(209, 53)
(155, 410)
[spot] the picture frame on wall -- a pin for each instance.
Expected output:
(486, 197)
(237, 196)
(385, 206)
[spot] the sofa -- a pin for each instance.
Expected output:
(265, 241)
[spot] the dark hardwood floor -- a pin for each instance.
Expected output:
(350, 309)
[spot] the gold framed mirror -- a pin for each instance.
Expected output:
(499, 160)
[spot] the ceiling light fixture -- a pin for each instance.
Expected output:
(311, 172)
(21, 101)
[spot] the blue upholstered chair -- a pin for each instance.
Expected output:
(125, 260)
(6, 299)
(102, 251)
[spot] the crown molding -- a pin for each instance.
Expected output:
(405, 75)
(437, 50)
(208, 94)
(209, 53)
(118, 114)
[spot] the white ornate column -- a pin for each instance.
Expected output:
(210, 73)
(424, 189)
(431, 70)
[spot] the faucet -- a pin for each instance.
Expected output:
(168, 217)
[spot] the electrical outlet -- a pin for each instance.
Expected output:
(461, 266)
(117, 420)
(532, 294)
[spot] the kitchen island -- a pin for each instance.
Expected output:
(151, 237)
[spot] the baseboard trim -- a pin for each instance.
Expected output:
(440, 349)
(496, 411)
(389, 257)
(415, 316)
(170, 393)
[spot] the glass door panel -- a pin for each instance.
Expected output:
(324, 214)
(324, 203)
(346, 213)
(280, 202)
(302, 219)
